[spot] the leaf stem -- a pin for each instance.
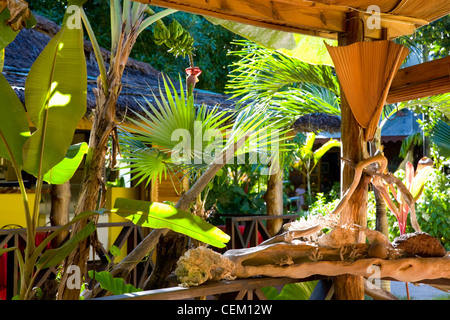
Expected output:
(97, 51)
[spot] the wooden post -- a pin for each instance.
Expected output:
(59, 212)
(274, 201)
(349, 287)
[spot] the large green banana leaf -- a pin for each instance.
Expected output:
(14, 129)
(55, 97)
(159, 215)
(65, 170)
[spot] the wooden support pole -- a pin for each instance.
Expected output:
(349, 287)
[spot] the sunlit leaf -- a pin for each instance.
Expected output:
(159, 215)
(114, 285)
(55, 96)
(14, 129)
(64, 170)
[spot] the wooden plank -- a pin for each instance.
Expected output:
(207, 289)
(423, 72)
(318, 18)
(422, 80)
(421, 90)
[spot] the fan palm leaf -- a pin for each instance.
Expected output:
(207, 133)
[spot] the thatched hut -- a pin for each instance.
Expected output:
(139, 79)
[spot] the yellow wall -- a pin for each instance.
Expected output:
(12, 209)
(111, 195)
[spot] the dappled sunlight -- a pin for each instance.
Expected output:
(58, 99)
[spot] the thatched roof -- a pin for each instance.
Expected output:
(317, 122)
(139, 79)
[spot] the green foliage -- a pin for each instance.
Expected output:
(160, 215)
(291, 291)
(433, 39)
(305, 159)
(237, 189)
(53, 257)
(114, 285)
(175, 37)
(55, 98)
(170, 119)
(55, 101)
(440, 136)
(211, 46)
(64, 170)
(433, 207)
(297, 87)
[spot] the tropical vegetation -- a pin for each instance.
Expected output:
(174, 137)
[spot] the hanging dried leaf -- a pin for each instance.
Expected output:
(19, 11)
(365, 71)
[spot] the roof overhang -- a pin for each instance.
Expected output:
(323, 18)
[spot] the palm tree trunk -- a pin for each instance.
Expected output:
(93, 185)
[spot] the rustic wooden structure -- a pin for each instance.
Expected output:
(348, 21)
(242, 289)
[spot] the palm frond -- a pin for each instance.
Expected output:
(440, 136)
(261, 72)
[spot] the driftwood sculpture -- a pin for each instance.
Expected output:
(303, 249)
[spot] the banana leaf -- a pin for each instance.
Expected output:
(65, 170)
(14, 129)
(159, 215)
(52, 257)
(440, 136)
(114, 285)
(55, 96)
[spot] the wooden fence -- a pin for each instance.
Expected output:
(244, 231)
(128, 238)
(250, 230)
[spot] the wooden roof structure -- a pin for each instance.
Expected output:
(322, 18)
(328, 19)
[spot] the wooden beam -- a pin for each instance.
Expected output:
(419, 81)
(316, 18)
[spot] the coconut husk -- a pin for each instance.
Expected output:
(419, 244)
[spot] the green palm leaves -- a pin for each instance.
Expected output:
(173, 135)
(170, 134)
(160, 215)
(294, 86)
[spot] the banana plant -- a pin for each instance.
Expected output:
(55, 97)
(307, 159)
